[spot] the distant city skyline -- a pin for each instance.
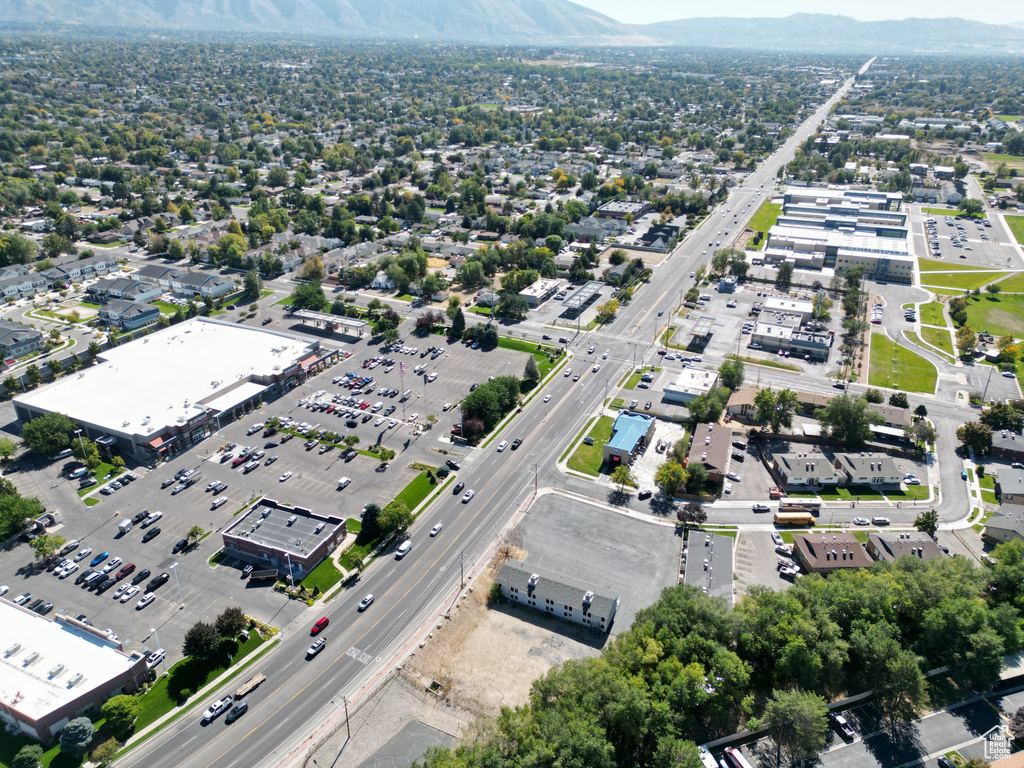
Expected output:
(648, 11)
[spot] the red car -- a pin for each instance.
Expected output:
(320, 626)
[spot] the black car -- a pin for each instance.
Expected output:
(105, 585)
(52, 561)
(83, 576)
(32, 606)
(140, 516)
(151, 534)
(182, 543)
(158, 581)
(239, 709)
(452, 464)
(458, 487)
(44, 609)
(842, 727)
(516, 443)
(643, 495)
(141, 576)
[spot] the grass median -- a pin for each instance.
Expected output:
(898, 368)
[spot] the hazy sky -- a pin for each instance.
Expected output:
(645, 11)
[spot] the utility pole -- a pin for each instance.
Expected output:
(348, 728)
(462, 569)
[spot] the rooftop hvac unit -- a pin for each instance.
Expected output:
(588, 598)
(75, 679)
(12, 649)
(31, 657)
(57, 669)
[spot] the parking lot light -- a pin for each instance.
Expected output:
(174, 567)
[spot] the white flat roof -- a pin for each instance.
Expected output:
(158, 380)
(78, 650)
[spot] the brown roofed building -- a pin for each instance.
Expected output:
(889, 546)
(712, 447)
(827, 553)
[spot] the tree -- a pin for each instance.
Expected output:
(510, 540)
(975, 437)
(966, 340)
(848, 419)
(874, 396)
(622, 477)
(708, 406)
(784, 276)
(29, 756)
(7, 448)
(1003, 416)
(194, 535)
(49, 434)
(531, 373)
(371, 529)
(512, 306)
(252, 286)
(313, 269)
(309, 296)
(798, 723)
(606, 312)
(776, 409)
(927, 522)
(921, 432)
(105, 752)
(692, 513)
(11, 384)
(698, 479)
(231, 622)
(731, 373)
(201, 641)
(1016, 724)
(669, 477)
(395, 519)
(46, 544)
(121, 712)
(77, 736)
(35, 376)
(899, 400)
(921, 411)
(900, 686)
(458, 324)
(94, 349)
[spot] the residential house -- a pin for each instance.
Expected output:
(17, 340)
(804, 469)
(741, 404)
(659, 236)
(1010, 485)
(19, 285)
(128, 315)
(201, 283)
(123, 288)
(584, 604)
(712, 447)
(75, 271)
(1006, 524)
(382, 282)
(867, 468)
(889, 546)
(1007, 445)
(827, 553)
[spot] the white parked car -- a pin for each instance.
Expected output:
(112, 563)
(733, 476)
(145, 600)
(129, 593)
(83, 553)
(156, 657)
(285, 476)
(777, 538)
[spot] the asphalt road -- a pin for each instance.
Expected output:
(298, 694)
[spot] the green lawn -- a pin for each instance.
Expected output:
(286, 301)
(987, 481)
(588, 458)
(912, 493)
(910, 372)
(1009, 118)
(989, 496)
(325, 576)
(942, 211)
(854, 493)
(355, 554)
(165, 693)
(998, 314)
(1016, 225)
(964, 280)
(994, 157)
(416, 491)
(939, 337)
(99, 473)
(1013, 284)
(766, 362)
(539, 352)
(937, 265)
(932, 313)
(765, 217)
(946, 291)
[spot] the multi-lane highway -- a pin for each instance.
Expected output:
(413, 592)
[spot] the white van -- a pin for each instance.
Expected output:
(403, 549)
(63, 454)
(406, 394)
(80, 472)
(377, 406)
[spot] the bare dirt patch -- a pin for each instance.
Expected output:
(488, 657)
(435, 263)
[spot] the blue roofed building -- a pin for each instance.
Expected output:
(630, 432)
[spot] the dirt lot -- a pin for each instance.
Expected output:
(470, 655)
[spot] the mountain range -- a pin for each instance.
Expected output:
(518, 22)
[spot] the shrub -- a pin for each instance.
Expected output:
(494, 595)
(184, 695)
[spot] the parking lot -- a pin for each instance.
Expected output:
(593, 545)
(961, 240)
(205, 591)
(709, 564)
(757, 563)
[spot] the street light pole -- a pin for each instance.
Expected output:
(81, 442)
(153, 631)
(174, 567)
